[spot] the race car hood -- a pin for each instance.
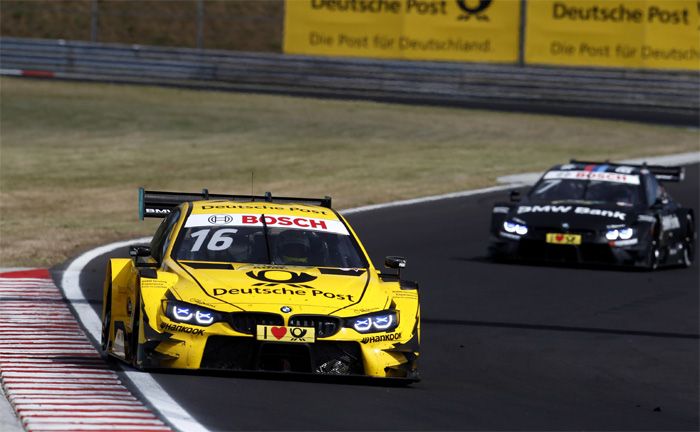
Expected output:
(579, 215)
(267, 288)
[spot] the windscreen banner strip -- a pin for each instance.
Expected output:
(593, 175)
(272, 221)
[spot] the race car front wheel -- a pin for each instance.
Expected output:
(134, 336)
(106, 321)
(689, 243)
(653, 256)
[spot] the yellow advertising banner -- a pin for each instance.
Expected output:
(651, 34)
(456, 30)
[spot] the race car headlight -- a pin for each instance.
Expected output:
(183, 314)
(373, 323)
(626, 233)
(191, 314)
(619, 233)
(204, 318)
(515, 228)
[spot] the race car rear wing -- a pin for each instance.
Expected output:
(159, 204)
(662, 173)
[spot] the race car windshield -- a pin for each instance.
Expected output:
(621, 194)
(283, 246)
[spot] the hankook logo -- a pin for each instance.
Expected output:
(473, 8)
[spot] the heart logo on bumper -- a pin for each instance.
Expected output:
(278, 332)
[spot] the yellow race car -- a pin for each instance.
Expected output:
(256, 283)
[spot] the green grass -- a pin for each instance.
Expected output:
(245, 25)
(73, 154)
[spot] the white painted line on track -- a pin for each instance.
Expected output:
(428, 199)
(158, 398)
(519, 180)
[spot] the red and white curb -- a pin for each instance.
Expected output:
(28, 73)
(51, 374)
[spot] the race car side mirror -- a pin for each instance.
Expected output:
(142, 258)
(514, 196)
(139, 251)
(659, 203)
(395, 262)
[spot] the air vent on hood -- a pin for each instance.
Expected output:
(207, 265)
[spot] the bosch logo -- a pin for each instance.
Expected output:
(220, 219)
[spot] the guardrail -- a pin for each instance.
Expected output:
(656, 96)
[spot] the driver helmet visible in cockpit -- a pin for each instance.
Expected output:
(293, 247)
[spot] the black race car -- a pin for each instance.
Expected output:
(598, 213)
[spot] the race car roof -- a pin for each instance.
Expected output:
(599, 167)
(662, 173)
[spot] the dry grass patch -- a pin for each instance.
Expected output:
(73, 154)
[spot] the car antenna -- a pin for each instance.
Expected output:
(252, 173)
(205, 193)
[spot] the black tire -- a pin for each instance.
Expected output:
(653, 256)
(496, 254)
(106, 322)
(689, 242)
(134, 336)
(492, 253)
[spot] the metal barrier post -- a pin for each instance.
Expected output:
(94, 20)
(521, 32)
(200, 24)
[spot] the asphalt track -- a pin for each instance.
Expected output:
(504, 346)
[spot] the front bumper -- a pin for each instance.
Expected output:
(590, 251)
(179, 346)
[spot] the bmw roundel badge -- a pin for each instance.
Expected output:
(286, 309)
